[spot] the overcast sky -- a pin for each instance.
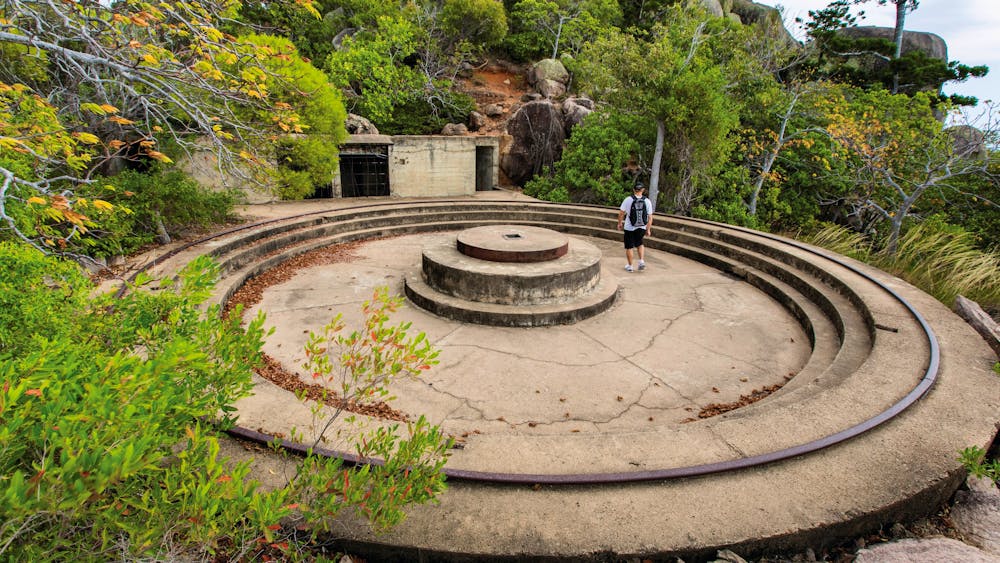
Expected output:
(971, 28)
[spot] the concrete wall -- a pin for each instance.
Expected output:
(436, 166)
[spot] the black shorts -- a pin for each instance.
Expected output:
(633, 239)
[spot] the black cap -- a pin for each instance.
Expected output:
(638, 187)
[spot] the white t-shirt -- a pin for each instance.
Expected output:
(627, 208)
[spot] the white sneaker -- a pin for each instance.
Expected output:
(642, 265)
(628, 268)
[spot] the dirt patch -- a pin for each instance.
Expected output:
(499, 84)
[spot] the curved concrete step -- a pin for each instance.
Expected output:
(899, 469)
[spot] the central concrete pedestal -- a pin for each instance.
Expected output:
(511, 275)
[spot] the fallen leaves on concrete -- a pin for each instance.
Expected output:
(251, 293)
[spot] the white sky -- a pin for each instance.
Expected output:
(971, 28)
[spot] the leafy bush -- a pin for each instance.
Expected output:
(305, 163)
(594, 167)
(426, 113)
(111, 410)
(39, 298)
(975, 462)
(166, 201)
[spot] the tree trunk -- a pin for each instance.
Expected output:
(162, 236)
(979, 320)
(897, 39)
(654, 174)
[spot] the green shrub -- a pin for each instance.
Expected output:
(975, 462)
(304, 164)
(110, 416)
(594, 165)
(169, 199)
(39, 298)
(427, 114)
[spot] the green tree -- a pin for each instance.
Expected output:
(904, 73)
(897, 151)
(595, 165)
(546, 28)
(369, 67)
(670, 80)
(125, 80)
(307, 156)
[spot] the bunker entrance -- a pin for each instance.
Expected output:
(365, 173)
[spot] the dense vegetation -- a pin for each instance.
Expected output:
(111, 408)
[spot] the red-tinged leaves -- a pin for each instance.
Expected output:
(274, 527)
(33, 392)
(224, 479)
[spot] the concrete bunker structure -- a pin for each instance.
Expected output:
(415, 166)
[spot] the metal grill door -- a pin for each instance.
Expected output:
(364, 174)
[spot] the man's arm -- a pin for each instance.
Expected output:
(649, 216)
(621, 219)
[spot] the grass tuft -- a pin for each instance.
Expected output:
(945, 263)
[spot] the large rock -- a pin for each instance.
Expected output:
(753, 13)
(713, 7)
(476, 121)
(454, 129)
(550, 88)
(976, 514)
(969, 141)
(537, 136)
(548, 69)
(493, 110)
(934, 549)
(766, 18)
(929, 43)
(357, 125)
(574, 111)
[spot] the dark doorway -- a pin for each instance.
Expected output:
(364, 174)
(484, 169)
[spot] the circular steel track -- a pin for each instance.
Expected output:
(924, 385)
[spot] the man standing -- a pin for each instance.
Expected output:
(636, 215)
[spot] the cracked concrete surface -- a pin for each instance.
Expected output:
(682, 336)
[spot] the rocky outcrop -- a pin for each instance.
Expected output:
(574, 111)
(713, 7)
(751, 13)
(932, 45)
(357, 125)
(549, 78)
(537, 135)
(968, 141)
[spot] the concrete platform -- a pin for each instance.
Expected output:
(557, 402)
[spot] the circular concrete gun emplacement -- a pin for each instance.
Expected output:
(511, 275)
(586, 441)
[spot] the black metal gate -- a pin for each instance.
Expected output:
(364, 174)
